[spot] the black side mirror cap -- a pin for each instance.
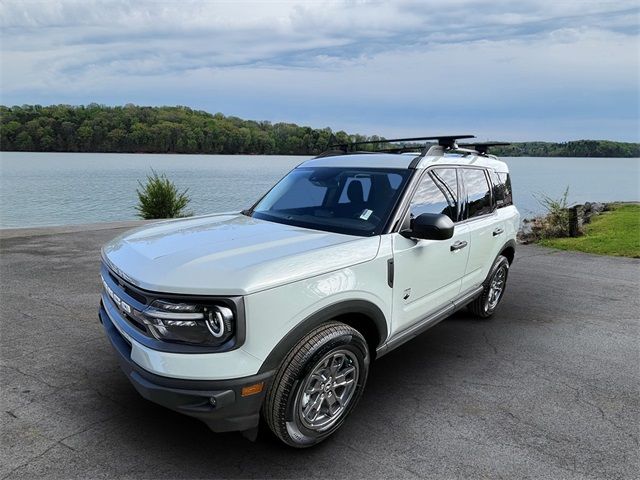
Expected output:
(430, 226)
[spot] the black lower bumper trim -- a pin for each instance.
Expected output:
(218, 403)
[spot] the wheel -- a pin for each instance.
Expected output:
(318, 384)
(486, 304)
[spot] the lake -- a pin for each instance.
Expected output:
(40, 189)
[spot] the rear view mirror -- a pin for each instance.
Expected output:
(430, 226)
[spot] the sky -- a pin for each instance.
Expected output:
(502, 70)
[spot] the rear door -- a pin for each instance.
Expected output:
(428, 273)
(486, 229)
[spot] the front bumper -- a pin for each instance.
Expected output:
(218, 403)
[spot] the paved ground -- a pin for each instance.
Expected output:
(549, 388)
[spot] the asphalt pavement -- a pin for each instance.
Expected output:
(548, 388)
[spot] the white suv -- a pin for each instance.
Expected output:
(276, 312)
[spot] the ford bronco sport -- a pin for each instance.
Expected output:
(276, 312)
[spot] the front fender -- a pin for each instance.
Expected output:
(278, 318)
(346, 307)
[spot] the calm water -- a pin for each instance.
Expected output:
(38, 189)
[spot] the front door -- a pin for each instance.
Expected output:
(428, 273)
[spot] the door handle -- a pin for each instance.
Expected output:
(498, 231)
(459, 245)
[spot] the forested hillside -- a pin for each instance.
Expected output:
(578, 148)
(134, 129)
(96, 128)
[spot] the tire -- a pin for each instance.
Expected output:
(487, 303)
(317, 362)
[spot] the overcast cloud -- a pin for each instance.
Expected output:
(528, 69)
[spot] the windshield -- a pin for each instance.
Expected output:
(354, 201)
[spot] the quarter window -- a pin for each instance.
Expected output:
(478, 193)
(501, 189)
(436, 193)
(506, 183)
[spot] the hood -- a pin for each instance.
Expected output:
(230, 254)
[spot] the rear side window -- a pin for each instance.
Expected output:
(497, 189)
(436, 193)
(501, 189)
(478, 193)
(505, 180)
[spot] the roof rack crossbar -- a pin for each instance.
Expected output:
(483, 147)
(443, 140)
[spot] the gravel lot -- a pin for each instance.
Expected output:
(548, 388)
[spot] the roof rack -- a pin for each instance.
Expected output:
(483, 147)
(447, 141)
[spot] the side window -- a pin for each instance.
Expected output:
(478, 192)
(506, 182)
(497, 189)
(430, 197)
(501, 189)
(447, 180)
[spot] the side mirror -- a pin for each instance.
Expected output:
(430, 226)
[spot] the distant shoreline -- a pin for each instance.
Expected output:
(181, 130)
(283, 154)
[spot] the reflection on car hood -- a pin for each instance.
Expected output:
(230, 254)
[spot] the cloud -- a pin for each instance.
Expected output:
(375, 65)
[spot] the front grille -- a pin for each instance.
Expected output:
(128, 289)
(133, 321)
(129, 295)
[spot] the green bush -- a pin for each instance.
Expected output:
(556, 222)
(160, 198)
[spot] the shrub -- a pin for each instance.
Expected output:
(556, 222)
(160, 198)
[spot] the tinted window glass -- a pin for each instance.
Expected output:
(447, 180)
(355, 201)
(506, 182)
(365, 183)
(501, 188)
(300, 193)
(432, 196)
(478, 192)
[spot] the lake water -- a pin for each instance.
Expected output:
(38, 189)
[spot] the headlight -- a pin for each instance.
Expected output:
(188, 322)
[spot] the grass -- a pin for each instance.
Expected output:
(615, 232)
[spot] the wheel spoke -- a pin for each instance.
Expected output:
(312, 409)
(336, 364)
(341, 379)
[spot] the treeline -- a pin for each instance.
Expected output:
(134, 129)
(578, 148)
